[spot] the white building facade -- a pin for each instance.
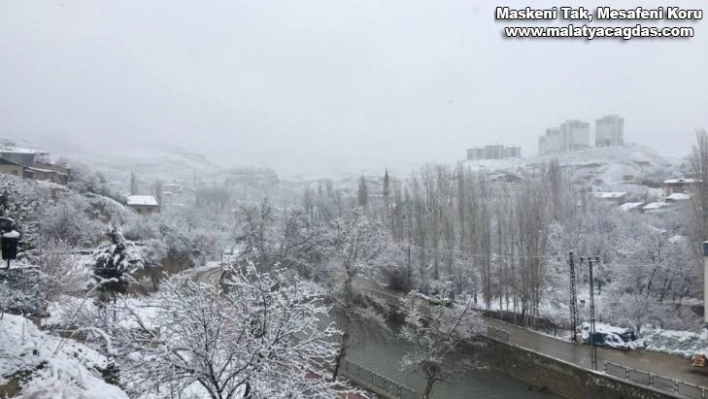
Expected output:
(609, 131)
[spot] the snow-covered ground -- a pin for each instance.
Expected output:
(67, 310)
(680, 343)
(70, 372)
(604, 168)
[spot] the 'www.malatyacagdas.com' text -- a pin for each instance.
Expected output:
(579, 17)
(595, 32)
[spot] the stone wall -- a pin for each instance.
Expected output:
(561, 378)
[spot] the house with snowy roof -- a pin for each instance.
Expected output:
(655, 206)
(631, 206)
(682, 185)
(32, 164)
(611, 196)
(675, 197)
(143, 204)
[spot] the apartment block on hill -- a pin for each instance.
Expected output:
(494, 151)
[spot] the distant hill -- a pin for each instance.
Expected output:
(169, 163)
(601, 168)
(252, 176)
(172, 164)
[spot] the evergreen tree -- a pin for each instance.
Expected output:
(133, 184)
(386, 189)
(363, 193)
(115, 262)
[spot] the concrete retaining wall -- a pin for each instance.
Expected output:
(562, 378)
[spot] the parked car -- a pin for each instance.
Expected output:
(699, 364)
(435, 300)
(608, 335)
(609, 340)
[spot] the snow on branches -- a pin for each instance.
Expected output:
(115, 260)
(436, 333)
(261, 337)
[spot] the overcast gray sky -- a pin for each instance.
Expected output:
(282, 83)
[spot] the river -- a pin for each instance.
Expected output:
(381, 353)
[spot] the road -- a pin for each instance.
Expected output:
(665, 365)
(209, 274)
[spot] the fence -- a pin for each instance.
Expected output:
(655, 381)
(369, 379)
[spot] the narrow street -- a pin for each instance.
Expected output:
(671, 366)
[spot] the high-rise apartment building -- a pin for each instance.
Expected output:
(609, 131)
(575, 135)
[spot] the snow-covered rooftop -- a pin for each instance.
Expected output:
(610, 195)
(681, 181)
(677, 239)
(629, 206)
(16, 150)
(654, 206)
(148, 200)
(12, 234)
(42, 170)
(678, 197)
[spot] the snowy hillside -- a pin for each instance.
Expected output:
(49, 366)
(341, 169)
(602, 168)
(166, 163)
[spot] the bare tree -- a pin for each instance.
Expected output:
(699, 166)
(157, 190)
(353, 245)
(257, 340)
(286, 240)
(533, 236)
(61, 271)
(436, 334)
(386, 190)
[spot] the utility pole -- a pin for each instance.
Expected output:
(593, 347)
(573, 302)
(705, 280)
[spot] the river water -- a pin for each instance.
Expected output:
(381, 353)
